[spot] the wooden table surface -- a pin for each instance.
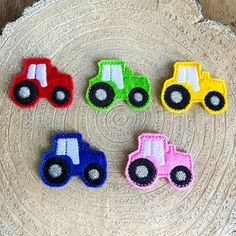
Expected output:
(223, 11)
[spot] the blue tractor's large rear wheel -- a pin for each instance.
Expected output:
(55, 172)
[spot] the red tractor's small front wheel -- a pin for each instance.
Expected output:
(25, 93)
(61, 96)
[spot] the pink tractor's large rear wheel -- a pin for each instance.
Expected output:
(142, 172)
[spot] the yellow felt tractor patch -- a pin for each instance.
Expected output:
(188, 85)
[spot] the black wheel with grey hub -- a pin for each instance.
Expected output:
(181, 176)
(25, 92)
(142, 172)
(94, 174)
(56, 171)
(60, 95)
(177, 97)
(215, 101)
(101, 95)
(138, 97)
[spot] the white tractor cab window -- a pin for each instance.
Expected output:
(154, 148)
(189, 74)
(38, 72)
(113, 73)
(68, 147)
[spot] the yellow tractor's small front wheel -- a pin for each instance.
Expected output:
(214, 101)
(177, 97)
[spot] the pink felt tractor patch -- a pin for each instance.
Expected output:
(155, 158)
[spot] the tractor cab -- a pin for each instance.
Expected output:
(190, 75)
(113, 73)
(38, 68)
(68, 147)
(155, 148)
(39, 72)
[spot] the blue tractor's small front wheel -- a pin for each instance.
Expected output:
(55, 172)
(94, 175)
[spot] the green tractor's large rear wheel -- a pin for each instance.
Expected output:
(101, 95)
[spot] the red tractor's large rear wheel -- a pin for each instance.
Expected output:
(25, 93)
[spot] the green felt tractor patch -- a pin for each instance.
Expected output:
(115, 81)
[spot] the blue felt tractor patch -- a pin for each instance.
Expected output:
(71, 157)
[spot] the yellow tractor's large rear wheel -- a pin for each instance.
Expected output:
(177, 97)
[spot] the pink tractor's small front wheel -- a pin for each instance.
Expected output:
(142, 172)
(181, 176)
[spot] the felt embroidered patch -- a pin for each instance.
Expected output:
(40, 79)
(71, 157)
(115, 81)
(155, 158)
(189, 84)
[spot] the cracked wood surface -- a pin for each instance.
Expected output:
(223, 11)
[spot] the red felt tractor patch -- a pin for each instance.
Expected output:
(40, 79)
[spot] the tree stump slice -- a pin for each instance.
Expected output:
(150, 35)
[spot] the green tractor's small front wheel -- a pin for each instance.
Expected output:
(101, 95)
(138, 97)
